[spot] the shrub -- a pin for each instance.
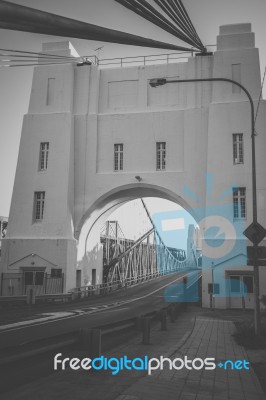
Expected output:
(245, 335)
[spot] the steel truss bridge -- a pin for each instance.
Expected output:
(127, 262)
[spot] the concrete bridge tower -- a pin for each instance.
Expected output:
(90, 131)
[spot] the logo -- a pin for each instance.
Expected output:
(215, 239)
(116, 365)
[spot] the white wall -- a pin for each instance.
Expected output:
(93, 109)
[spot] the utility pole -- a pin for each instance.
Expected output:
(254, 232)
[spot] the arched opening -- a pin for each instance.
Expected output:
(90, 250)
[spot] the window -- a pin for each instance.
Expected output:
(39, 277)
(213, 288)
(43, 162)
(56, 273)
(238, 153)
(33, 278)
(38, 205)
(160, 156)
(235, 284)
(50, 91)
(248, 284)
(241, 284)
(236, 76)
(118, 157)
(28, 278)
(239, 202)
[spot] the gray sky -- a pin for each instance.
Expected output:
(134, 221)
(15, 83)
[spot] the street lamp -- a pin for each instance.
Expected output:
(162, 81)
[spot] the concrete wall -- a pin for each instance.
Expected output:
(93, 109)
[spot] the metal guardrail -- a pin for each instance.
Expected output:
(4, 299)
(54, 296)
(165, 58)
(106, 288)
(145, 60)
(83, 292)
(25, 298)
(60, 341)
(53, 343)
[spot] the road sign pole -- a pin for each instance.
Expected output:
(255, 225)
(257, 324)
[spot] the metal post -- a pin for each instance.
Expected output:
(62, 278)
(146, 330)
(212, 294)
(211, 302)
(90, 340)
(96, 343)
(257, 322)
(164, 319)
(2, 279)
(172, 313)
(45, 282)
(243, 304)
(185, 292)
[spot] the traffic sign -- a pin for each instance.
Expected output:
(258, 263)
(255, 232)
(260, 252)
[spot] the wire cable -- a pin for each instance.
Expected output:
(41, 54)
(166, 21)
(35, 59)
(189, 26)
(169, 8)
(137, 8)
(182, 28)
(26, 19)
(260, 97)
(184, 11)
(31, 65)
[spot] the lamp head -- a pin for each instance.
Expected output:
(157, 82)
(84, 61)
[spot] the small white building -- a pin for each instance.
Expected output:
(90, 131)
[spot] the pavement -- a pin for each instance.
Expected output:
(195, 334)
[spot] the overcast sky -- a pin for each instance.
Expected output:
(15, 83)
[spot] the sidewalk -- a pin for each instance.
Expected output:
(193, 335)
(210, 338)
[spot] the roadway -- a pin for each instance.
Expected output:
(97, 312)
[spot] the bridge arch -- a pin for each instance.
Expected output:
(93, 219)
(105, 205)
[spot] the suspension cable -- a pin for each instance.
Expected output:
(258, 106)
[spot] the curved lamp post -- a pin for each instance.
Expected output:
(162, 81)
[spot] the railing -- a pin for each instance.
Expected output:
(84, 292)
(151, 59)
(146, 256)
(145, 60)
(110, 287)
